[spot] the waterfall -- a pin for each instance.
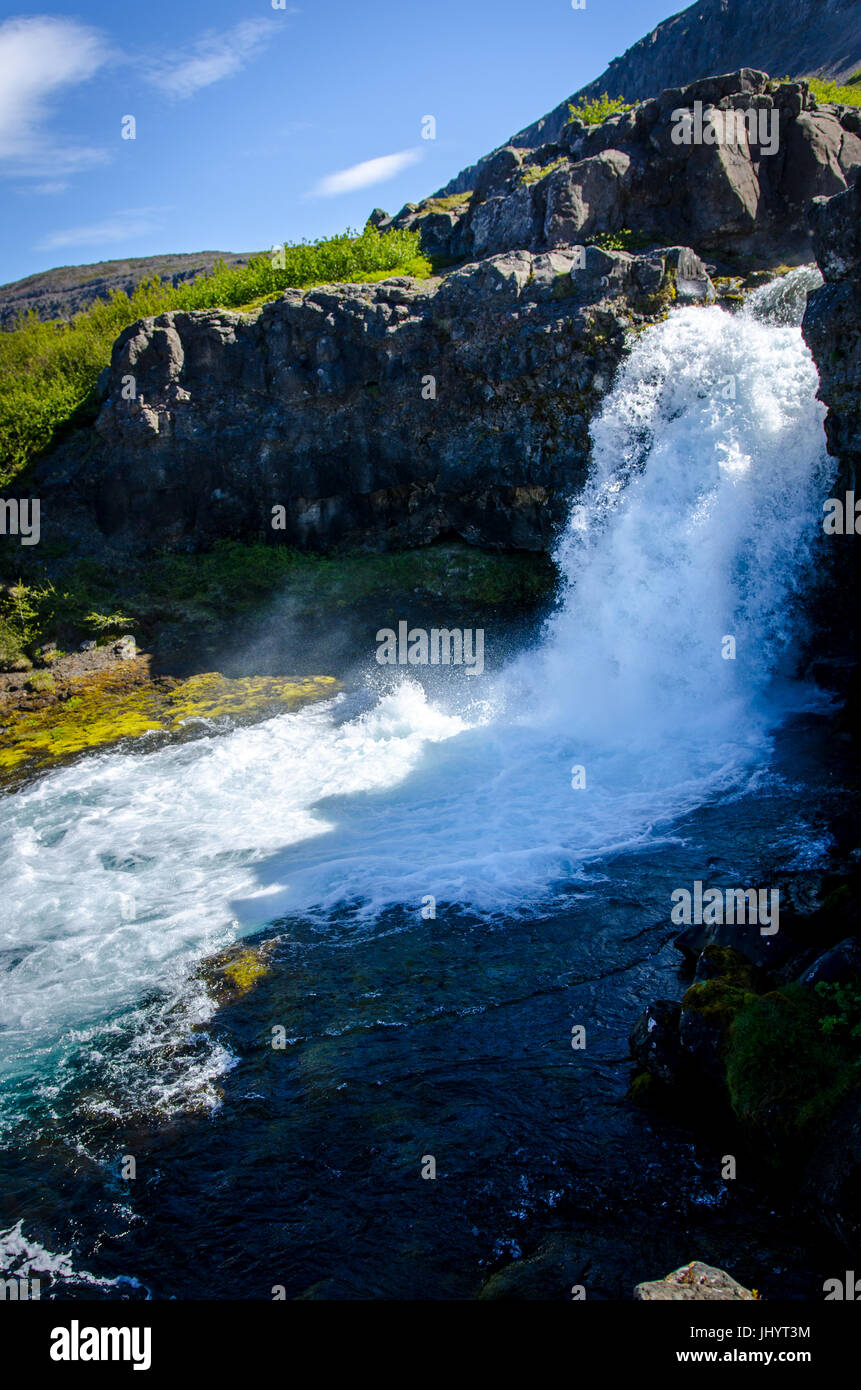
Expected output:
(699, 524)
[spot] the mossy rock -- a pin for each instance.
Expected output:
(118, 704)
(234, 972)
(785, 1075)
(725, 963)
(643, 1088)
(716, 1001)
(42, 682)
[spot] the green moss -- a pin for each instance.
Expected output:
(454, 202)
(642, 1089)
(728, 964)
(42, 682)
(716, 1001)
(785, 1076)
(117, 705)
(623, 240)
(244, 970)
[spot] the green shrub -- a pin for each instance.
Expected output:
(623, 240)
(833, 92)
(48, 371)
(841, 1017)
(531, 173)
(33, 613)
(595, 111)
(12, 657)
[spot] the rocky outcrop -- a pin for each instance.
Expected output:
(385, 414)
(761, 1054)
(832, 323)
(693, 1281)
(798, 38)
(398, 413)
(744, 192)
(832, 329)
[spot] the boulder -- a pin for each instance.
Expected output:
(691, 278)
(654, 1041)
(813, 164)
(840, 965)
(586, 198)
(694, 1281)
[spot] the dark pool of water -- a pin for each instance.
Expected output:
(447, 1038)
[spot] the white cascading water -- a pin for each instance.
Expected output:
(699, 522)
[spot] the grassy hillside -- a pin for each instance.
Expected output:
(48, 371)
(67, 290)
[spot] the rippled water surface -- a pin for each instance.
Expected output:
(322, 834)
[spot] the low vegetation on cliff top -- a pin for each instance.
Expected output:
(846, 95)
(48, 371)
(596, 111)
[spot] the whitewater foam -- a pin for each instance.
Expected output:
(700, 520)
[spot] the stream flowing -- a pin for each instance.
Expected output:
(545, 808)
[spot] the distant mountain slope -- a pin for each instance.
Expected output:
(794, 38)
(60, 293)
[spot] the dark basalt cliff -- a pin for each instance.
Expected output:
(832, 324)
(690, 1055)
(832, 329)
(391, 414)
(402, 412)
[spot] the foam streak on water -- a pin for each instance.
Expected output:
(698, 523)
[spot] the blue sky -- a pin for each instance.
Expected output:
(251, 120)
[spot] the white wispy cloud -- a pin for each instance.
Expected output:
(120, 227)
(212, 57)
(364, 175)
(39, 57)
(56, 186)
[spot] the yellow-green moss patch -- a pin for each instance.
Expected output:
(243, 971)
(124, 703)
(233, 972)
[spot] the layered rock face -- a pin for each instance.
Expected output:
(832, 329)
(746, 194)
(832, 324)
(391, 414)
(408, 411)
